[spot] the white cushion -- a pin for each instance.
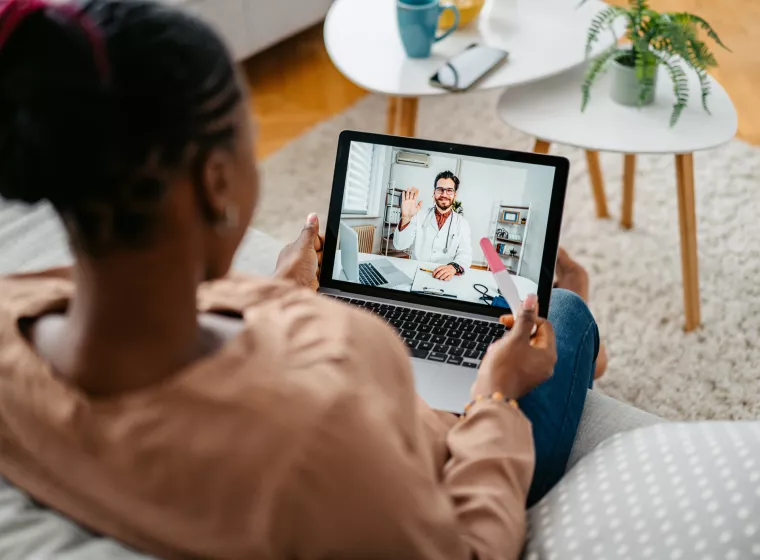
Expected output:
(669, 491)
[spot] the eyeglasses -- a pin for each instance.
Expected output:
(441, 190)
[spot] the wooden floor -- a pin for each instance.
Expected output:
(294, 85)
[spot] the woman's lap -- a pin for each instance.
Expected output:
(555, 407)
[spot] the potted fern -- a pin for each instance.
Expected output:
(653, 39)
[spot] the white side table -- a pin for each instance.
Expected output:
(363, 42)
(550, 111)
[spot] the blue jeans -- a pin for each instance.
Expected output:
(555, 407)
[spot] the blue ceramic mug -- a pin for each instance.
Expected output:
(418, 22)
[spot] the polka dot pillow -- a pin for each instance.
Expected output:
(669, 491)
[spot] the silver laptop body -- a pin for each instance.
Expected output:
(349, 260)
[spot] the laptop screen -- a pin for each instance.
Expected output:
(410, 218)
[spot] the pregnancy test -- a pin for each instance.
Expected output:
(507, 286)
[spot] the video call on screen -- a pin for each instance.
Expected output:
(412, 221)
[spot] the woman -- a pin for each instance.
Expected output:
(151, 398)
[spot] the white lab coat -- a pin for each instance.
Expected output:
(429, 242)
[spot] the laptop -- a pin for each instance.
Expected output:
(378, 273)
(514, 199)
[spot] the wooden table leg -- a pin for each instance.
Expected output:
(541, 146)
(687, 218)
(408, 117)
(597, 184)
(392, 122)
(629, 176)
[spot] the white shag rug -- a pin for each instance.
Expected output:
(636, 292)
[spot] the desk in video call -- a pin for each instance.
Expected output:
(463, 285)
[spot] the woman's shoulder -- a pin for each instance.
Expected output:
(281, 308)
(320, 329)
(298, 329)
(300, 357)
(32, 293)
(27, 282)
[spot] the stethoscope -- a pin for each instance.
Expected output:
(448, 233)
(485, 297)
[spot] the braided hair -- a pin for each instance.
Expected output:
(99, 99)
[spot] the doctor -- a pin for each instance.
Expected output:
(438, 234)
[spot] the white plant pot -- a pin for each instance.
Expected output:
(625, 86)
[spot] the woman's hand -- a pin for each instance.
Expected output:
(517, 363)
(301, 260)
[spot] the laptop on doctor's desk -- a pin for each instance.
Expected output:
(515, 199)
(380, 274)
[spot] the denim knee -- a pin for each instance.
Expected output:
(572, 320)
(566, 305)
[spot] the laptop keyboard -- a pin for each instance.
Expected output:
(369, 276)
(435, 336)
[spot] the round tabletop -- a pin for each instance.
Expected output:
(546, 37)
(551, 111)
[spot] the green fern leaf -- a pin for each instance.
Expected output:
(676, 114)
(704, 84)
(602, 21)
(639, 8)
(698, 21)
(696, 51)
(650, 27)
(700, 55)
(675, 35)
(598, 66)
(680, 85)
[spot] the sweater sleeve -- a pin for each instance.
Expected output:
(366, 485)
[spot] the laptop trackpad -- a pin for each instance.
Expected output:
(443, 387)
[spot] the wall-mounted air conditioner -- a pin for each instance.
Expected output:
(412, 158)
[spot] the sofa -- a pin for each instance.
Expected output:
(31, 239)
(637, 487)
(250, 26)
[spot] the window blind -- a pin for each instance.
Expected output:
(358, 176)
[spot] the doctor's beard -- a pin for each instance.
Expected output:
(443, 204)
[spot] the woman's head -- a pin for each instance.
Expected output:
(129, 117)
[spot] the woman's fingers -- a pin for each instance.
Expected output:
(319, 243)
(509, 321)
(544, 338)
(543, 335)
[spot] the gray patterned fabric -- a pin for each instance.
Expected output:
(28, 531)
(669, 491)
